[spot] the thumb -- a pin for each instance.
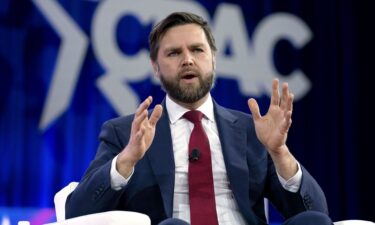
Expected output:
(156, 114)
(254, 108)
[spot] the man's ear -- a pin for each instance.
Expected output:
(214, 62)
(155, 68)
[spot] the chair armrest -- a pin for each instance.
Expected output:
(60, 199)
(108, 218)
(353, 222)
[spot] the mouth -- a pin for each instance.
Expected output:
(188, 75)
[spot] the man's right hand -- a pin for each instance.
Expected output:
(141, 137)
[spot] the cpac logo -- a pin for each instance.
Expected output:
(251, 63)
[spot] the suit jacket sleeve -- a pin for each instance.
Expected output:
(94, 193)
(309, 196)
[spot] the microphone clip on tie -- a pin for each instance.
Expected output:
(195, 155)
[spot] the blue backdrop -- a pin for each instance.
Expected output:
(67, 66)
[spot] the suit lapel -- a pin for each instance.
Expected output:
(233, 138)
(162, 163)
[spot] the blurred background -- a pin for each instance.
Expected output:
(66, 66)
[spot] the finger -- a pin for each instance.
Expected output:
(144, 105)
(139, 134)
(285, 97)
(275, 97)
(156, 114)
(137, 140)
(290, 102)
(138, 120)
(288, 122)
(254, 108)
(141, 113)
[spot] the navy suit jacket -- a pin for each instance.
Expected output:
(250, 170)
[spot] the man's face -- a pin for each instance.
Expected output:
(185, 63)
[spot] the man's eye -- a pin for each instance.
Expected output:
(172, 54)
(198, 50)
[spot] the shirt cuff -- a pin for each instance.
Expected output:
(117, 180)
(294, 182)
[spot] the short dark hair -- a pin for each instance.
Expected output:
(176, 19)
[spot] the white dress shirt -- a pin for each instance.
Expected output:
(226, 206)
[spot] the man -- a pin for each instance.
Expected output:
(144, 162)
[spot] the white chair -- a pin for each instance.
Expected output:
(108, 218)
(60, 200)
(353, 222)
(122, 217)
(104, 218)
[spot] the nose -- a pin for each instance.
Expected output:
(187, 59)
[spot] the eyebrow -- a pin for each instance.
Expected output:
(192, 46)
(196, 45)
(172, 49)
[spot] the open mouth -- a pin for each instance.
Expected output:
(188, 76)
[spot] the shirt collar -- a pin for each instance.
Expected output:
(176, 111)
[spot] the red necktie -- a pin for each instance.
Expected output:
(201, 185)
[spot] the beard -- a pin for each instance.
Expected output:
(188, 93)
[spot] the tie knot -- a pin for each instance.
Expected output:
(193, 116)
